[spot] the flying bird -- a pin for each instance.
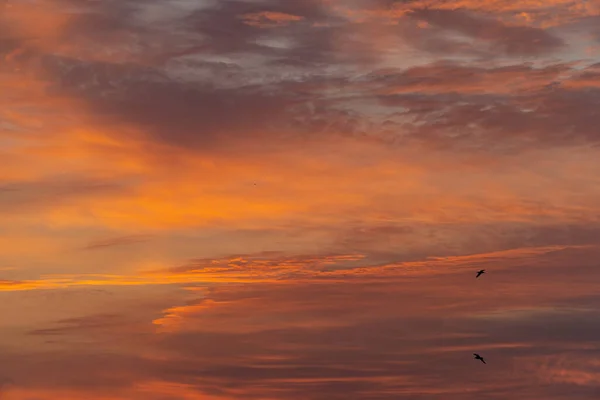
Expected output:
(478, 357)
(480, 272)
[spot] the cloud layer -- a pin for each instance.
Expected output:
(289, 199)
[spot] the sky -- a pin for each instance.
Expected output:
(289, 199)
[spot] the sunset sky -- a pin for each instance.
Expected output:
(289, 199)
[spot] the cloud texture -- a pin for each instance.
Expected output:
(289, 199)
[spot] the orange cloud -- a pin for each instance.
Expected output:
(269, 19)
(186, 212)
(514, 12)
(268, 337)
(153, 389)
(211, 190)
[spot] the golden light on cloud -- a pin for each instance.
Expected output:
(290, 199)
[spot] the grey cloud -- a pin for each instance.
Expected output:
(550, 116)
(193, 115)
(203, 116)
(512, 40)
(195, 112)
(212, 28)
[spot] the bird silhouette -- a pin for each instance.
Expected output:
(480, 272)
(478, 357)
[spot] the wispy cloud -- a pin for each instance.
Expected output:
(123, 240)
(288, 199)
(305, 338)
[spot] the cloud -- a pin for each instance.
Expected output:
(88, 323)
(389, 348)
(57, 370)
(443, 78)
(527, 12)
(267, 261)
(21, 194)
(186, 114)
(551, 113)
(117, 241)
(317, 339)
(417, 241)
(513, 40)
(427, 104)
(321, 179)
(173, 102)
(269, 19)
(18, 285)
(265, 268)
